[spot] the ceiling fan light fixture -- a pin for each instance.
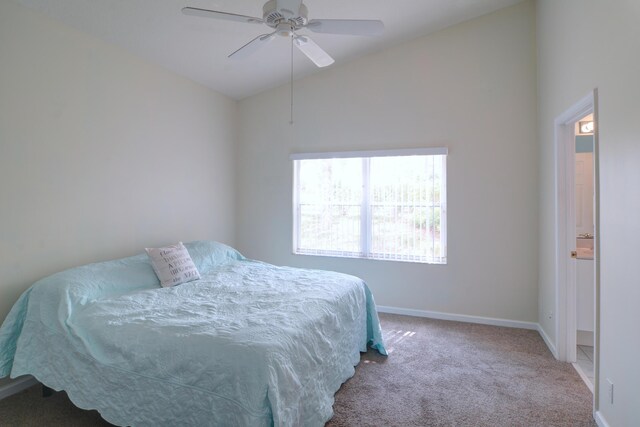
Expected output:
(284, 29)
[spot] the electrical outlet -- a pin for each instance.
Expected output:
(610, 390)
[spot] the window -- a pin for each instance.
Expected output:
(388, 205)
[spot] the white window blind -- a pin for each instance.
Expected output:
(388, 205)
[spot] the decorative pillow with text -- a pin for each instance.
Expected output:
(173, 265)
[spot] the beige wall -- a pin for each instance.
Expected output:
(582, 45)
(471, 88)
(101, 154)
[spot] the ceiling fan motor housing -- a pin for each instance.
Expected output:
(275, 14)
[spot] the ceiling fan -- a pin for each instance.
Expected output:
(286, 17)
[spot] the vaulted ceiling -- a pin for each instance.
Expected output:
(197, 47)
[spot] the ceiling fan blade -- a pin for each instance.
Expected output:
(313, 51)
(252, 46)
(193, 11)
(355, 27)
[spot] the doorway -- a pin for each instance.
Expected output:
(575, 240)
(584, 202)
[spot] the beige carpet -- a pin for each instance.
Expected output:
(438, 373)
(442, 373)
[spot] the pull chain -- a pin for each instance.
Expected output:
(291, 82)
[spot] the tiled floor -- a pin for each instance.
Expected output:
(585, 363)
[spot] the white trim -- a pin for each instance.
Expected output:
(472, 319)
(547, 341)
(365, 209)
(428, 151)
(17, 385)
(598, 235)
(585, 337)
(443, 212)
(295, 206)
(597, 415)
(458, 317)
(580, 109)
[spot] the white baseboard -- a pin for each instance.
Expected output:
(584, 338)
(547, 341)
(600, 419)
(17, 385)
(472, 319)
(458, 317)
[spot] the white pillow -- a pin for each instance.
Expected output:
(173, 265)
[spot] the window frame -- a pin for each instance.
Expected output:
(365, 226)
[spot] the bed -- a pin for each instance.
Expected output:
(249, 344)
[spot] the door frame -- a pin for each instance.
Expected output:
(565, 224)
(566, 305)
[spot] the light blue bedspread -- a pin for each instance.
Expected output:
(250, 344)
